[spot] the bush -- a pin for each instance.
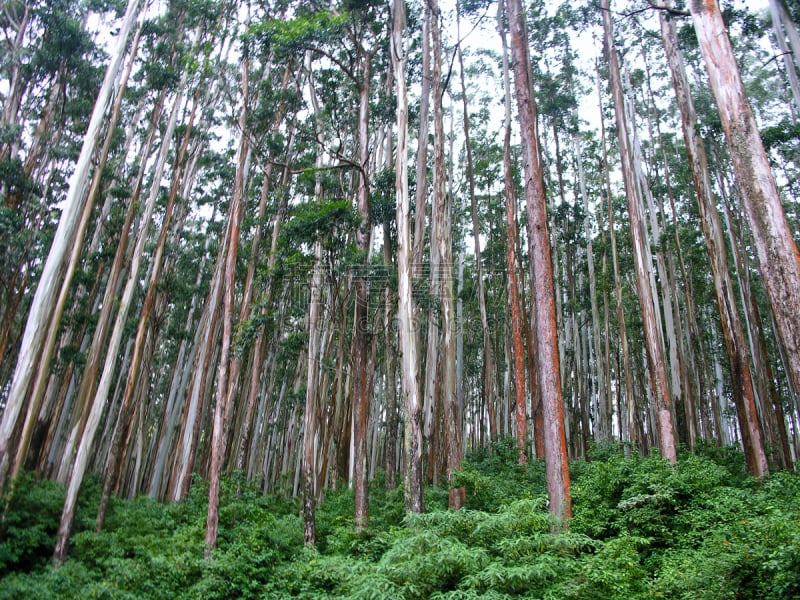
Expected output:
(641, 529)
(30, 525)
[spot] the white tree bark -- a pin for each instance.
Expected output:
(86, 443)
(777, 251)
(45, 298)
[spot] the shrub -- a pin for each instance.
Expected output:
(30, 524)
(641, 529)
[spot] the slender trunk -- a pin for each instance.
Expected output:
(260, 349)
(407, 336)
(777, 251)
(101, 396)
(245, 308)
(389, 462)
(488, 351)
(221, 412)
(732, 331)
(629, 422)
(604, 427)
(659, 385)
(441, 215)
(132, 379)
(206, 339)
(652, 236)
(360, 358)
(309, 420)
(88, 382)
(44, 299)
(546, 335)
(43, 370)
(416, 261)
(520, 412)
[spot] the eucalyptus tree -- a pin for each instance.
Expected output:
(409, 361)
(38, 390)
(363, 34)
(275, 107)
(95, 410)
(628, 427)
(310, 426)
(647, 172)
(659, 384)
(488, 350)
(510, 198)
(49, 68)
(546, 334)
(733, 333)
(777, 251)
(441, 247)
(223, 400)
(347, 43)
(45, 296)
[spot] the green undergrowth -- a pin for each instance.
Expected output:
(641, 529)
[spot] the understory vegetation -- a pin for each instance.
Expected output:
(641, 529)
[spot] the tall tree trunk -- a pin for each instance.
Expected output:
(546, 336)
(629, 423)
(764, 381)
(605, 411)
(43, 369)
(101, 396)
(206, 337)
(407, 336)
(488, 351)
(245, 308)
(309, 416)
(656, 365)
(390, 448)
(732, 331)
(132, 379)
(778, 255)
(443, 247)
(88, 381)
(45, 297)
(221, 411)
(652, 237)
(361, 368)
(260, 347)
(520, 412)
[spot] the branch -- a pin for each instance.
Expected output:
(651, 6)
(776, 57)
(449, 71)
(345, 165)
(346, 69)
(674, 12)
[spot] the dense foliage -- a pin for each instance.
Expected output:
(641, 529)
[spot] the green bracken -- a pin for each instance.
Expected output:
(642, 529)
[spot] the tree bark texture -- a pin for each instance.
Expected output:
(52, 273)
(659, 384)
(732, 331)
(778, 255)
(407, 334)
(443, 248)
(546, 335)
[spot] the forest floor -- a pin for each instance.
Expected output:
(641, 529)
